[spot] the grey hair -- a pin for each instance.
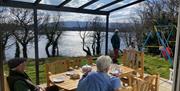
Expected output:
(103, 62)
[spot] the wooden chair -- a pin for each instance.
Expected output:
(154, 82)
(56, 67)
(129, 88)
(140, 85)
(71, 63)
(149, 83)
(90, 60)
(74, 63)
(78, 62)
(134, 59)
(6, 85)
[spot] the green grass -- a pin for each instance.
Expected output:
(153, 64)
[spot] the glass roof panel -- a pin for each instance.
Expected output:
(76, 3)
(51, 2)
(119, 4)
(98, 4)
(29, 1)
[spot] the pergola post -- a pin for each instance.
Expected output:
(107, 30)
(36, 45)
(1, 67)
(176, 80)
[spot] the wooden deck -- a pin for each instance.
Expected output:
(164, 85)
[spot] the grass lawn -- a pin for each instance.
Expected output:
(153, 64)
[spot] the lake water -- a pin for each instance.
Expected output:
(70, 45)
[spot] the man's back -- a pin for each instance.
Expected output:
(95, 81)
(115, 41)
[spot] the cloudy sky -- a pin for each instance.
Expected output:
(117, 16)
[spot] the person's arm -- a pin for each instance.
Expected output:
(116, 83)
(21, 86)
(116, 90)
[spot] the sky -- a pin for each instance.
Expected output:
(122, 15)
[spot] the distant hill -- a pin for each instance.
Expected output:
(73, 25)
(112, 26)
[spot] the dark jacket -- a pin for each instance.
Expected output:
(20, 82)
(115, 41)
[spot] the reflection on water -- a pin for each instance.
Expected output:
(70, 45)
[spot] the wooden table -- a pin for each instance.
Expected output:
(71, 85)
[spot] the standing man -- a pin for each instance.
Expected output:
(115, 41)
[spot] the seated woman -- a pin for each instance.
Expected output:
(100, 80)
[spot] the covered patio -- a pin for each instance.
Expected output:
(99, 11)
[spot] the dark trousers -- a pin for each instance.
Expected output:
(115, 56)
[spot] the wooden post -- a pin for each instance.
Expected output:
(124, 57)
(142, 64)
(1, 66)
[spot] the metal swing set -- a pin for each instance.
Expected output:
(163, 42)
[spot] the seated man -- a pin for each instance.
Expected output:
(100, 80)
(18, 80)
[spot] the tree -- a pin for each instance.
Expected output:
(97, 27)
(153, 10)
(23, 33)
(53, 33)
(158, 12)
(138, 30)
(92, 35)
(83, 33)
(126, 32)
(5, 30)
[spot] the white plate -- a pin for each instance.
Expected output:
(59, 79)
(70, 73)
(115, 72)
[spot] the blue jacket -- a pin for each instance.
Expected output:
(98, 81)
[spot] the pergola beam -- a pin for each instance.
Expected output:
(127, 5)
(63, 3)
(3, 0)
(109, 4)
(88, 3)
(37, 1)
(19, 4)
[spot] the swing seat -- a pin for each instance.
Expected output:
(163, 50)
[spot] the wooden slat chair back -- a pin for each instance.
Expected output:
(134, 59)
(149, 83)
(154, 82)
(78, 62)
(56, 67)
(90, 60)
(129, 88)
(140, 85)
(74, 63)
(71, 63)
(6, 85)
